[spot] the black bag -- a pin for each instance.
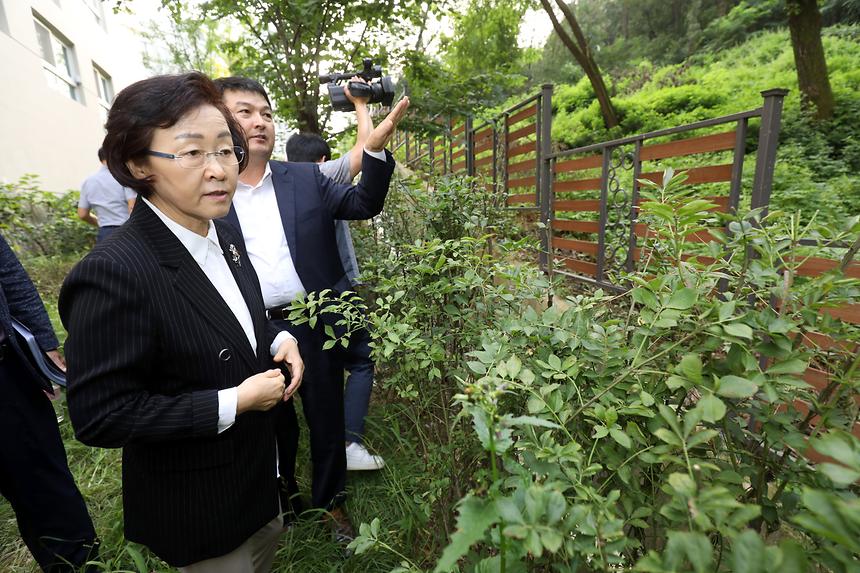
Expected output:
(48, 372)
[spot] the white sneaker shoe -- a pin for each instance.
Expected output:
(358, 458)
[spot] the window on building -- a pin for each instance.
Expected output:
(4, 26)
(95, 7)
(104, 89)
(58, 61)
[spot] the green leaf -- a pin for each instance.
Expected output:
(475, 516)
(671, 417)
(533, 421)
(669, 437)
(840, 446)
(646, 398)
(527, 376)
(713, 409)
(739, 330)
(696, 547)
(477, 367)
(726, 309)
(551, 539)
(793, 557)
(620, 437)
(137, 557)
(736, 387)
(682, 299)
(645, 297)
(675, 382)
(701, 437)
(793, 366)
(748, 554)
(683, 484)
(840, 475)
(514, 365)
(691, 367)
(329, 344)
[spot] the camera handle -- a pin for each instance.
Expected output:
(360, 89)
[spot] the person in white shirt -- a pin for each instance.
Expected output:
(111, 201)
(286, 213)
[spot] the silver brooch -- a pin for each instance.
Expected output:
(234, 252)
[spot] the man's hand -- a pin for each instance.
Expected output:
(383, 132)
(288, 353)
(55, 357)
(356, 100)
(260, 392)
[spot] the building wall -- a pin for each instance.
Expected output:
(45, 132)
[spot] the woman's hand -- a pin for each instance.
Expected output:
(288, 353)
(261, 391)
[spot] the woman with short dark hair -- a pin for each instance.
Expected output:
(169, 353)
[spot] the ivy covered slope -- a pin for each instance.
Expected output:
(818, 164)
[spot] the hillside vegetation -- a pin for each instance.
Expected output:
(818, 164)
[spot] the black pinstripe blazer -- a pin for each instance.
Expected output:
(150, 344)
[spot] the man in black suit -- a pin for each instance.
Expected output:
(34, 472)
(286, 212)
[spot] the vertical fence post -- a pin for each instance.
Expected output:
(470, 146)
(544, 174)
(604, 194)
(768, 140)
(406, 144)
(504, 148)
(495, 159)
(634, 208)
(448, 141)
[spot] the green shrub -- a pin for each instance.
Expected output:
(37, 222)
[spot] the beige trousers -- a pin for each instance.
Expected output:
(255, 555)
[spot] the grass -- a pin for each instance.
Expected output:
(307, 547)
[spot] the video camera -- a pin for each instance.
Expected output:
(381, 91)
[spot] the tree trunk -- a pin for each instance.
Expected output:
(804, 22)
(581, 52)
(307, 118)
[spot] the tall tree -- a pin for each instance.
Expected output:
(286, 44)
(178, 44)
(804, 23)
(582, 53)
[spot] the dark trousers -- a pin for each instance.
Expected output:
(105, 232)
(322, 402)
(356, 359)
(35, 476)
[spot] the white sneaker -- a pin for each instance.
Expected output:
(358, 458)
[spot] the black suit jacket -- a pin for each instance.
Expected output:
(308, 204)
(150, 344)
(18, 297)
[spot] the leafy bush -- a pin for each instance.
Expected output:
(652, 431)
(37, 222)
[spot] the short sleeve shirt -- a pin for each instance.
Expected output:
(107, 197)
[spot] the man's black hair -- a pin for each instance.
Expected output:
(307, 147)
(242, 84)
(102, 155)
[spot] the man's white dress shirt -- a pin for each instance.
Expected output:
(265, 241)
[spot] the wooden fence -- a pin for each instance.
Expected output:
(587, 198)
